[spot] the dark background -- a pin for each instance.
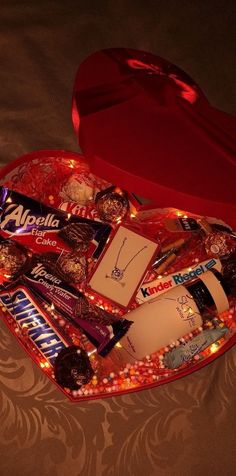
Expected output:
(185, 428)
(42, 44)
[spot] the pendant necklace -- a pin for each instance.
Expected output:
(117, 273)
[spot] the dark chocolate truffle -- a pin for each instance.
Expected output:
(72, 368)
(72, 267)
(12, 259)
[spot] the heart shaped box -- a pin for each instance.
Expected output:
(143, 124)
(147, 126)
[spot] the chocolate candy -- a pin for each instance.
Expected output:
(102, 329)
(86, 310)
(72, 368)
(79, 188)
(219, 244)
(112, 204)
(44, 229)
(72, 267)
(27, 314)
(229, 272)
(77, 235)
(12, 259)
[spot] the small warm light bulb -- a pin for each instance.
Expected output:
(9, 200)
(42, 365)
(118, 190)
(132, 215)
(214, 348)
(118, 344)
(190, 269)
(68, 215)
(185, 216)
(52, 307)
(91, 352)
(71, 165)
(179, 214)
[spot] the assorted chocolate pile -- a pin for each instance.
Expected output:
(47, 257)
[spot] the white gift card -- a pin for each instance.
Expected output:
(123, 266)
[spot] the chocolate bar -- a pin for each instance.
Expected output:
(25, 309)
(44, 229)
(71, 364)
(101, 328)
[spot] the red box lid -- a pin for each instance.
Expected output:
(145, 125)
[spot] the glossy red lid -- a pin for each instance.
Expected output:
(146, 126)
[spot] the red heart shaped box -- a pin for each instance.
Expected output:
(41, 156)
(146, 126)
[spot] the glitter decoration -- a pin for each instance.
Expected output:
(219, 244)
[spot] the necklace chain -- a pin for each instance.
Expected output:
(133, 257)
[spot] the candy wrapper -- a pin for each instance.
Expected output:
(53, 233)
(59, 180)
(104, 330)
(92, 359)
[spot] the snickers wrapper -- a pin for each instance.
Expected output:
(25, 310)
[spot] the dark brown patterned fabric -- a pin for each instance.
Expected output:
(186, 428)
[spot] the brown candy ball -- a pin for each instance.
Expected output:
(12, 259)
(219, 244)
(72, 368)
(111, 205)
(72, 267)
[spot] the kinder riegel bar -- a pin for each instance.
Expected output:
(159, 286)
(46, 230)
(101, 328)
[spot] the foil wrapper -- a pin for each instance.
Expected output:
(73, 368)
(112, 204)
(186, 352)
